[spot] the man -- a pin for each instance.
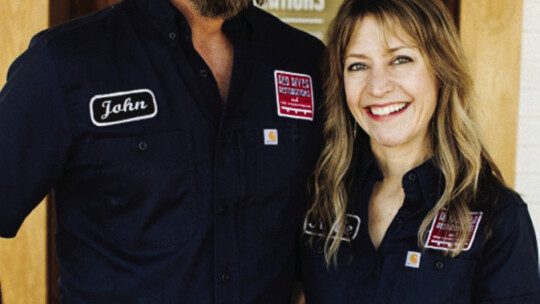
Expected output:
(177, 137)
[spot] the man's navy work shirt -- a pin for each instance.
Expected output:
(502, 269)
(164, 193)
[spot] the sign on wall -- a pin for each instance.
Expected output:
(312, 16)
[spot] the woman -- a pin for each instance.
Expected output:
(408, 204)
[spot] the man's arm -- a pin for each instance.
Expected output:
(34, 135)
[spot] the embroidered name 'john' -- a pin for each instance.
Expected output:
(122, 107)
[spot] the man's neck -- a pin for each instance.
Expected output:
(211, 43)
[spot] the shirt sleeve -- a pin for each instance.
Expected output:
(508, 272)
(34, 135)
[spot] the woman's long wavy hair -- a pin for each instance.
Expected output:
(458, 148)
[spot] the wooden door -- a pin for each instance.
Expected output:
(22, 259)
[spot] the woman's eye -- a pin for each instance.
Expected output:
(402, 60)
(356, 67)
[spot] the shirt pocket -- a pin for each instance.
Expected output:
(146, 185)
(282, 171)
(438, 280)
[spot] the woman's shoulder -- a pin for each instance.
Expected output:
(507, 213)
(495, 198)
(506, 201)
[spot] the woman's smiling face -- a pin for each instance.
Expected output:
(389, 88)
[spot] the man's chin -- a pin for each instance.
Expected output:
(220, 8)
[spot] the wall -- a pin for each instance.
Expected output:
(491, 35)
(23, 260)
(528, 148)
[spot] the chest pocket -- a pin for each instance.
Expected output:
(282, 173)
(439, 280)
(146, 185)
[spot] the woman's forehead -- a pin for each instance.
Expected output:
(388, 30)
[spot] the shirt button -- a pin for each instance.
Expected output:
(297, 136)
(142, 146)
(412, 177)
(203, 73)
(225, 277)
(172, 35)
(399, 220)
(439, 265)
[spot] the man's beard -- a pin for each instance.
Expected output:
(220, 8)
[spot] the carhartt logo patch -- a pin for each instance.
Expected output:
(413, 259)
(442, 235)
(122, 107)
(270, 137)
(294, 93)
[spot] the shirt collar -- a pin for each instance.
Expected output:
(162, 14)
(424, 182)
(172, 23)
(367, 165)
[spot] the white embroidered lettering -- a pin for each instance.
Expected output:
(107, 105)
(127, 106)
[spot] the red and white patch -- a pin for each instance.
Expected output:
(442, 235)
(294, 93)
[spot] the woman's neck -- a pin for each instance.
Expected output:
(395, 162)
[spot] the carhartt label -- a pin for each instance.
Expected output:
(270, 137)
(294, 93)
(122, 107)
(413, 259)
(442, 235)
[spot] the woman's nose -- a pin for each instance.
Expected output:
(380, 82)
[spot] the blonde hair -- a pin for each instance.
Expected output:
(457, 145)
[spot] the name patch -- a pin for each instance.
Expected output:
(122, 107)
(316, 227)
(442, 235)
(294, 93)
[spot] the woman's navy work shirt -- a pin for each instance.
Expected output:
(497, 270)
(164, 194)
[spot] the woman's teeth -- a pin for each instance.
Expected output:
(387, 110)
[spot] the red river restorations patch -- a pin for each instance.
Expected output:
(294, 94)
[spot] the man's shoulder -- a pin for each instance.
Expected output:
(273, 29)
(86, 29)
